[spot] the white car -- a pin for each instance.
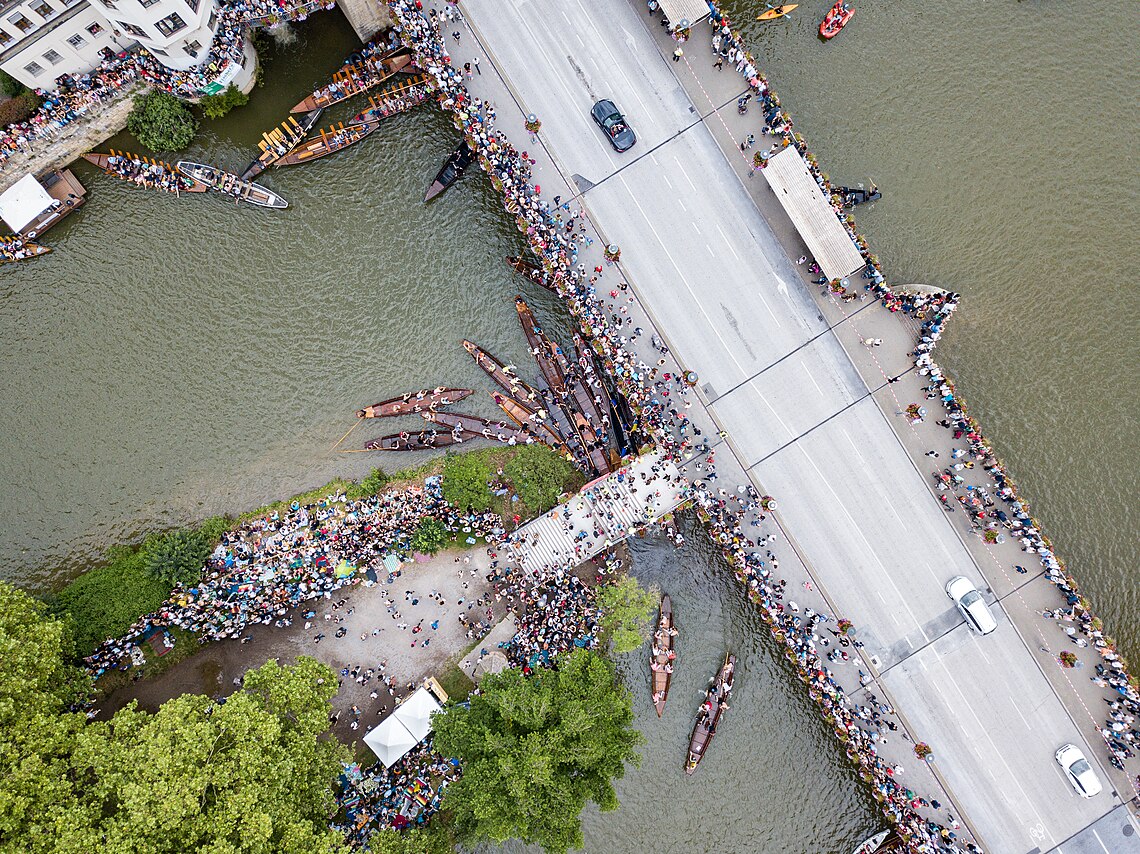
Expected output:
(971, 604)
(1078, 770)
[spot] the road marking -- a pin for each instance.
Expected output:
(582, 43)
(803, 365)
(685, 209)
(600, 40)
(696, 228)
(775, 319)
(1101, 841)
(1017, 709)
(709, 248)
(665, 178)
(727, 241)
(686, 174)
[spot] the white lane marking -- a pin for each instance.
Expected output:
(654, 159)
(1101, 841)
(682, 205)
(686, 174)
(709, 248)
(726, 240)
(803, 365)
(600, 40)
(665, 178)
(1016, 708)
(775, 319)
(579, 38)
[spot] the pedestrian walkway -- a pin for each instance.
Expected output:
(603, 514)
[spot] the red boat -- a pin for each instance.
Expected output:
(836, 19)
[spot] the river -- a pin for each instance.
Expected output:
(175, 358)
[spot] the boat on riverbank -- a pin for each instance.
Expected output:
(882, 842)
(661, 655)
(425, 440)
(455, 165)
(328, 142)
(528, 418)
(497, 371)
(482, 428)
(851, 196)
(144, 172)
(231, 185)
(414, 402)
(531, 270)
(712, 710)
(356, 78)
(279, 142)
(15, 249)
(836, 19)
(395, 98)
(776, 12)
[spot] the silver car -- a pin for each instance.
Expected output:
(971, 604)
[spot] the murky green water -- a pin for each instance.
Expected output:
(174, 358)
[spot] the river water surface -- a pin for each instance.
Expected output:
(175, 358)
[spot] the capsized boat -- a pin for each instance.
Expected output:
(774, 12)
(425, 440)
(329, 141)
(144, 172)
(712, 709)
(836, 19)
(455, 165)
(414, 402)
(661, 655)
(280, 141)
(356, 78)
(231, 185)
(16, 249)
(395, 98)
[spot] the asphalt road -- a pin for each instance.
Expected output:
(800, 418)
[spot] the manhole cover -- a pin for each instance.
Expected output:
(1127, 830)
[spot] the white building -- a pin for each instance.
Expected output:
(41, 40)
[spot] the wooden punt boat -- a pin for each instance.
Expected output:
(356, 78)
(836, 19)
(329, 141)
(591, 384)
(495, 369)
(662, 654)
(851, 196)
(397, 97)
(775, 12)
(136, 166)
(496, 432)
(540, 348)
(527, 417)
(231, 185)
(455, 165)
(712, 709)
(532, 271)
(280, 141)
(15, 249)
(414, 402)
(425, 440)
(881, 843)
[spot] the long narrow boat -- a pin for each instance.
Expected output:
(662, 655)
(776, 12)
(414, 402)
(836, 19)
(592, 385)
(881, 843)
(425, 440)
(332, 140)
(496, 432)
(535, 420)
(712, 709)
(15, 249)
(144, 172)
(455, 165)
(397, 97)
(280, 141)
(504, 379)
(356, 78)
(231, 185)
(851, 196)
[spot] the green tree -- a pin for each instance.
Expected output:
(370, 484)
(535, 749)
(10, 87)
(430, 839)
(161, 122)
(216, 106)
(430, 535)
(177, 557)
(625, 613)
(539, 475)
(465, 479)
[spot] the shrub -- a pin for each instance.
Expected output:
(216, 106)
(177, 557)
(161, 122)
(370, 484)
(539, 475)
(10, 87)
(19, 108)
(465, 478)
(625, 611)
(430, 536)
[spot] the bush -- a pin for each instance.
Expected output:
(539, 475)
(161, 122)
(19, 108)
(625, 611)
(216, 106)
(430, 536)
(465, 478)
(10, 87)
(370, 484)
(177, 557)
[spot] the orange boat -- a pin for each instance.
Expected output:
(836, 19)
(662, 656)
(354, 79)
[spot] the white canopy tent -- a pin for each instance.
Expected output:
(404, 728)
(684, 10)
(811, 213)
(21, 203)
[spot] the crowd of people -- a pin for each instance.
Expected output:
(266, 567)
(272, 13)
(152, 175)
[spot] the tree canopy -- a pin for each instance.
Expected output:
(626, 611)
(430, 535)
(539, 475)
(535, 749)
(216, 106)
(465, 479)
(161, 122)
(177, 557)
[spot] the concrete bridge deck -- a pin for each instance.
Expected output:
(808, 412)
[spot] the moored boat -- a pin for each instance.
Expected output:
(851, 196)
(144, 172)
(881, 843)
(532, 271)
(231, 185)
(15, 249)
(530, 418)
(473, 424)
(662, 655)
(504, 377)
(280, 141)
(712, 710)
(424, 440)
(836, 19)
(774, 12)
(395, 98)
(455, 165)
(356, 78)
(414, 402)
(329, 141)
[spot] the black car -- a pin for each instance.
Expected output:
(612, 122)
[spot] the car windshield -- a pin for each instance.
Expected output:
(970, 598)
(1080, 768)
